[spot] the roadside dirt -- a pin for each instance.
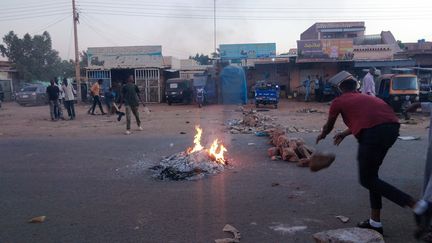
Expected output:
(18, 121)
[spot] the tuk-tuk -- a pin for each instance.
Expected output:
(398, 90)
(266, 94)
(178, 90)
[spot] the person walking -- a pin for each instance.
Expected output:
(368, 86)
(95, 91)
(53, 93)
(131, 98)
(69, 98)
(307, 84)
(425, 204)
(376, 128)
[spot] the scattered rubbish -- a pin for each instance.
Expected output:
(261, 134)
(408, 138)
(349, 235)
(171, 145)
(251, 123)
(39, 219)
(187, 122)
(321, 161)
(253, 223)
(251, 144)
(307, 110)
(182, 132)
(281, 228)
(146, 110)
(236, 235)
(408, 122)
(274, 184)
(342, 218)
(262, 110)
(136, 228)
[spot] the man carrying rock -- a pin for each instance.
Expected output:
(376, 128)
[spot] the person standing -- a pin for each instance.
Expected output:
(53, 93)
(60, 99)
(317, 88)
(307, 84)
(425, 204)
(69, 98)
(376, 128)
(95, 90)
(369, 83)
(131, 98)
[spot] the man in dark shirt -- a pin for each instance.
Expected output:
(53, 93)
(131, 98)
(376, 128)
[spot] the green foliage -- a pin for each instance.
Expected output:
(34, 57)
(401, 45)
(201, 59)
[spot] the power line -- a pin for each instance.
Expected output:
(39, 15)
(35, 6)
(230, 17)
(52, 24)
(96, 30)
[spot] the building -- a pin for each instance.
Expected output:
(115, 64)
(8, 79)
(420, 51)
(327, 48)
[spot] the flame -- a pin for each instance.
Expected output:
(197, 141)
(216, 151)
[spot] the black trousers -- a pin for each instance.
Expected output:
(70, 107)
(373, 146)
(96, 100)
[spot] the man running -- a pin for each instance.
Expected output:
(376, 128)
(95, 90)
(131, 98)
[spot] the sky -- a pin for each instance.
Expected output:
(186, 27)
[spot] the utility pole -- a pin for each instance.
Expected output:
(214, 26)
(77, 59)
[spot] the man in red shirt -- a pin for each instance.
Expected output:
(376, 128)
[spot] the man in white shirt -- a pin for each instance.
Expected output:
(369, 83)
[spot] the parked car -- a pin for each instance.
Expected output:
(178, 90)
(398, 90)
(32, 95)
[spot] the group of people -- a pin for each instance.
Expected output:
(59, 95)
(65, 93)
(376, 127)
(318, 85)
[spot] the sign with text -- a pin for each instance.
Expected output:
(244, 51)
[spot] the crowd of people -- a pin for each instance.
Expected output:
(64, 95)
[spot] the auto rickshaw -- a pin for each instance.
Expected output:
(266, 94)
(398, 90)
(178, 90)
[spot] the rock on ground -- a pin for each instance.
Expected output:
(348, 235)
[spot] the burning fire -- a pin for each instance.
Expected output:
(216, 151)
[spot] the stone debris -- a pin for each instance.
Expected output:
(39, 219)
(236, 235)
(342, 218)
(289, 149)
(183, 166)
(349, 235)
(308, 110)
(321, 161)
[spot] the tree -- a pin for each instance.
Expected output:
(401, 45)
(201, 59)
(33, 57)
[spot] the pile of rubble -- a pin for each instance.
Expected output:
(184, 166)
(289, 149)
(252, 122)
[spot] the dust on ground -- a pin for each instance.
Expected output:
(19, 121)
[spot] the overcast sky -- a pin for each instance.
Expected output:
(185, 27)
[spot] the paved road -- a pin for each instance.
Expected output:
(99, 190)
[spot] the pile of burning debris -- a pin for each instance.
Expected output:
(194, 163)
(289, 149)
(252, 122)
